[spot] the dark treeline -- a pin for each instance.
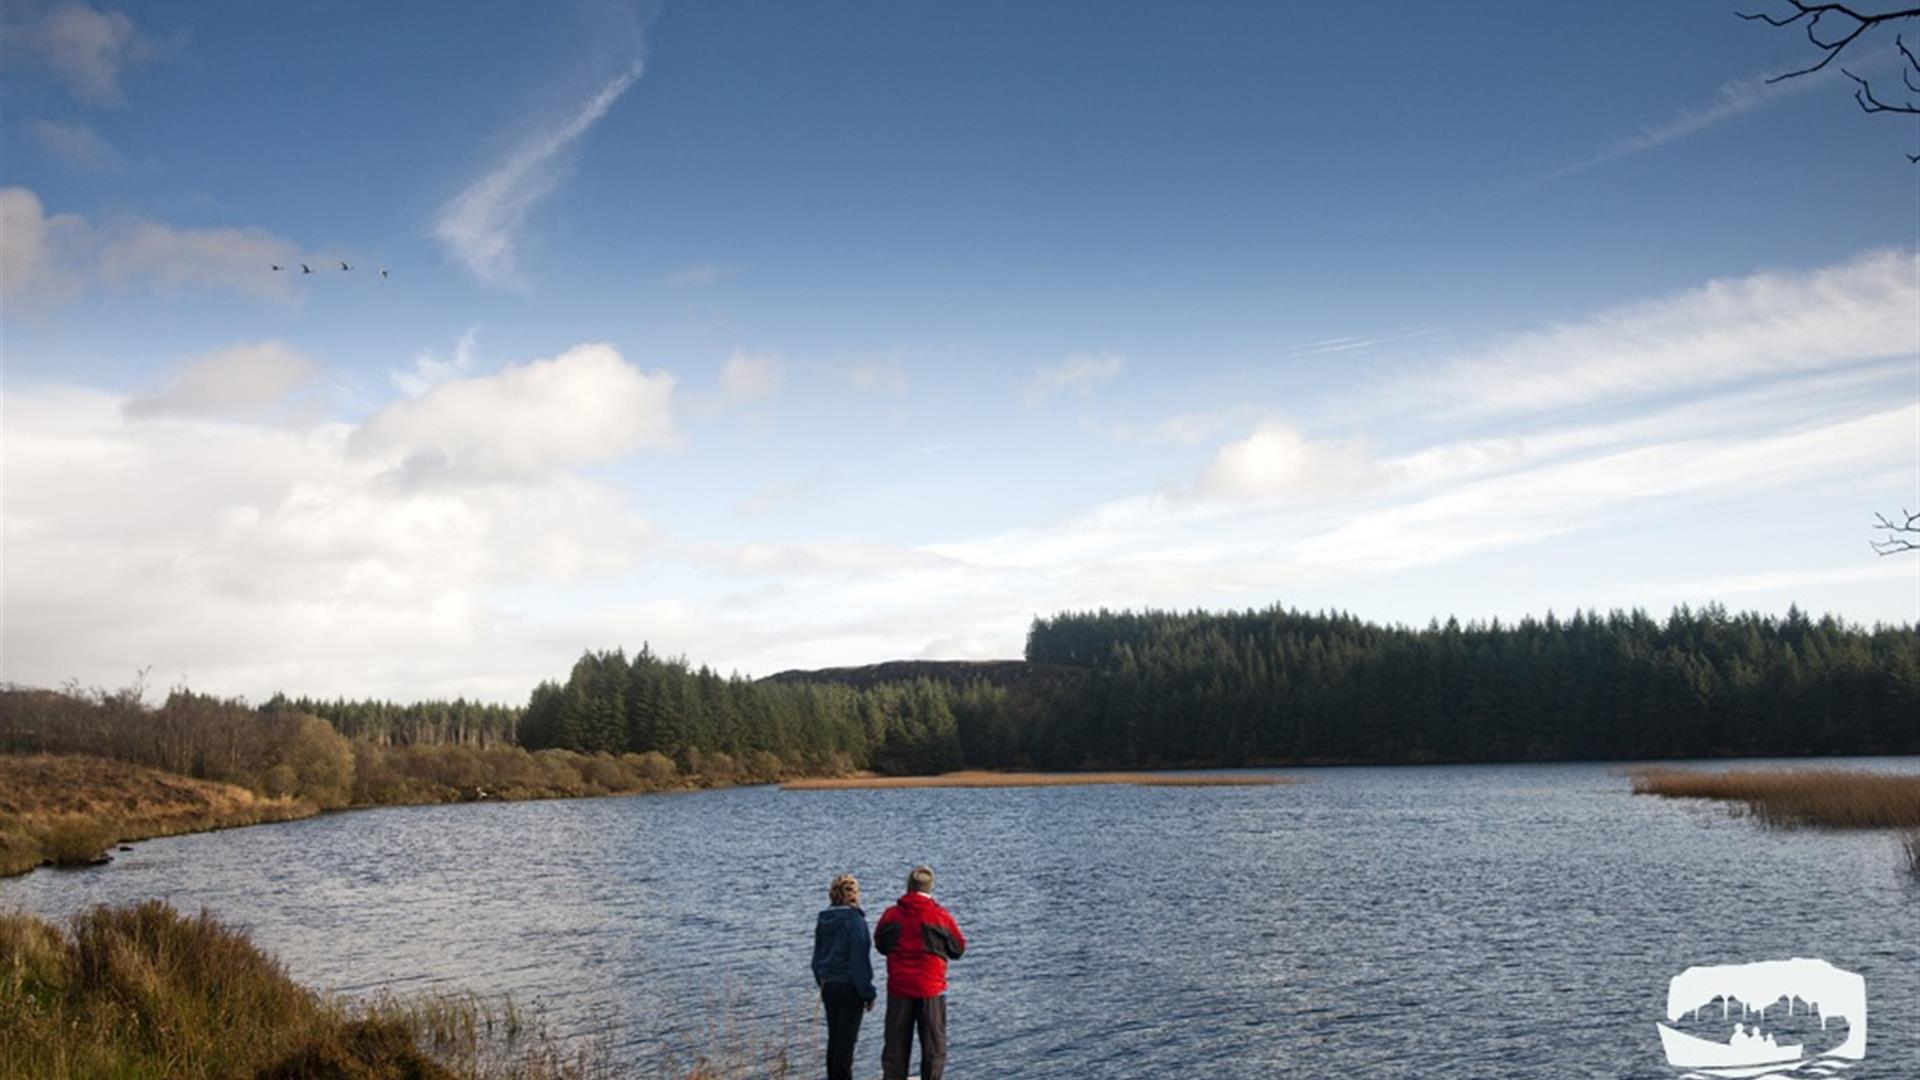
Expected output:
(1097, 689)
(1276, 685)
(711, 723)
(1124, 689)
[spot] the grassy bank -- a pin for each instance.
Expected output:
(70, 810)
(143, 991)
(1831, 798)
(975, 778)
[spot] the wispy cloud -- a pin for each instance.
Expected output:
(1081, 372)
(1731, 329)
(431, 369)
(751, 375)
(1776, 581)
(89, 50)
(701, 273)
(76, 145)
(878, 377)
(1732, 99)
(480, 227)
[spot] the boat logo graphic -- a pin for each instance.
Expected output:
(1784, 1005)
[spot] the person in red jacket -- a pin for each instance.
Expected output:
(918, 937)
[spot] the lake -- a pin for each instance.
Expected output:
(1469, 921)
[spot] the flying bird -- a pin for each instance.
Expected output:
(383, 271)
(270, 266)
(344, 266)
(305, 269)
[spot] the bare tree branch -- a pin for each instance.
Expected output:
(1900, 536)
(1847, 24)
(1814, 15)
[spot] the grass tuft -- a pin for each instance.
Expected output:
(143, 991)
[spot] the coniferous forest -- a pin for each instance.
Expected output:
(1153, 688)
(1102, 689)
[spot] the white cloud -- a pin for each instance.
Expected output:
(76, 145)
(235, 258)
(1276, 460)
(1081, 372)
(89, 50)
(481, 226)
(1731, 329)
(751, 375)
(27, 261)
(247, 558)
(429, 369)
(58, 252)
(240, 380)
(587, 404)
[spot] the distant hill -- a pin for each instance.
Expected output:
(950, 672)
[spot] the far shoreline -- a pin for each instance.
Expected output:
(983, 778)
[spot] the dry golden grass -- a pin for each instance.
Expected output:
(71, 809)
(980, 778)
(1838, 798)
(142, 991)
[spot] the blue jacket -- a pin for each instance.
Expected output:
(841, 946)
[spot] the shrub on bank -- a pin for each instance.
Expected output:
(76, 842)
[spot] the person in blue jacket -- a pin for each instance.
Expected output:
(843, 969)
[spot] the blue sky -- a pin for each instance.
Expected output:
(793, 336)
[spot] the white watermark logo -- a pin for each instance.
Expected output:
(1789, 1013)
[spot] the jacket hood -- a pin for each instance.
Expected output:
(916, 899)
(843, 913)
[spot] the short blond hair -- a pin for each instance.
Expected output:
(844, 890)
(920, 879)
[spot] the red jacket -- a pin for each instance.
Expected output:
(918, 937)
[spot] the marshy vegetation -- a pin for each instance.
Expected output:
(1829, 798)
(143, 991)
(70, 810)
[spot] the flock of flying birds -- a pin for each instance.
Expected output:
(305, 269)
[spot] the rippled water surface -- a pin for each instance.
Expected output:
(1477, 921)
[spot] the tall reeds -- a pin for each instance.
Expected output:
(1837, 798)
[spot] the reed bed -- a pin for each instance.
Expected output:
(980, 778)
(1834, 798)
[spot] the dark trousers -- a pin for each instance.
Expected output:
(904, 1014)
(844, 1006)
